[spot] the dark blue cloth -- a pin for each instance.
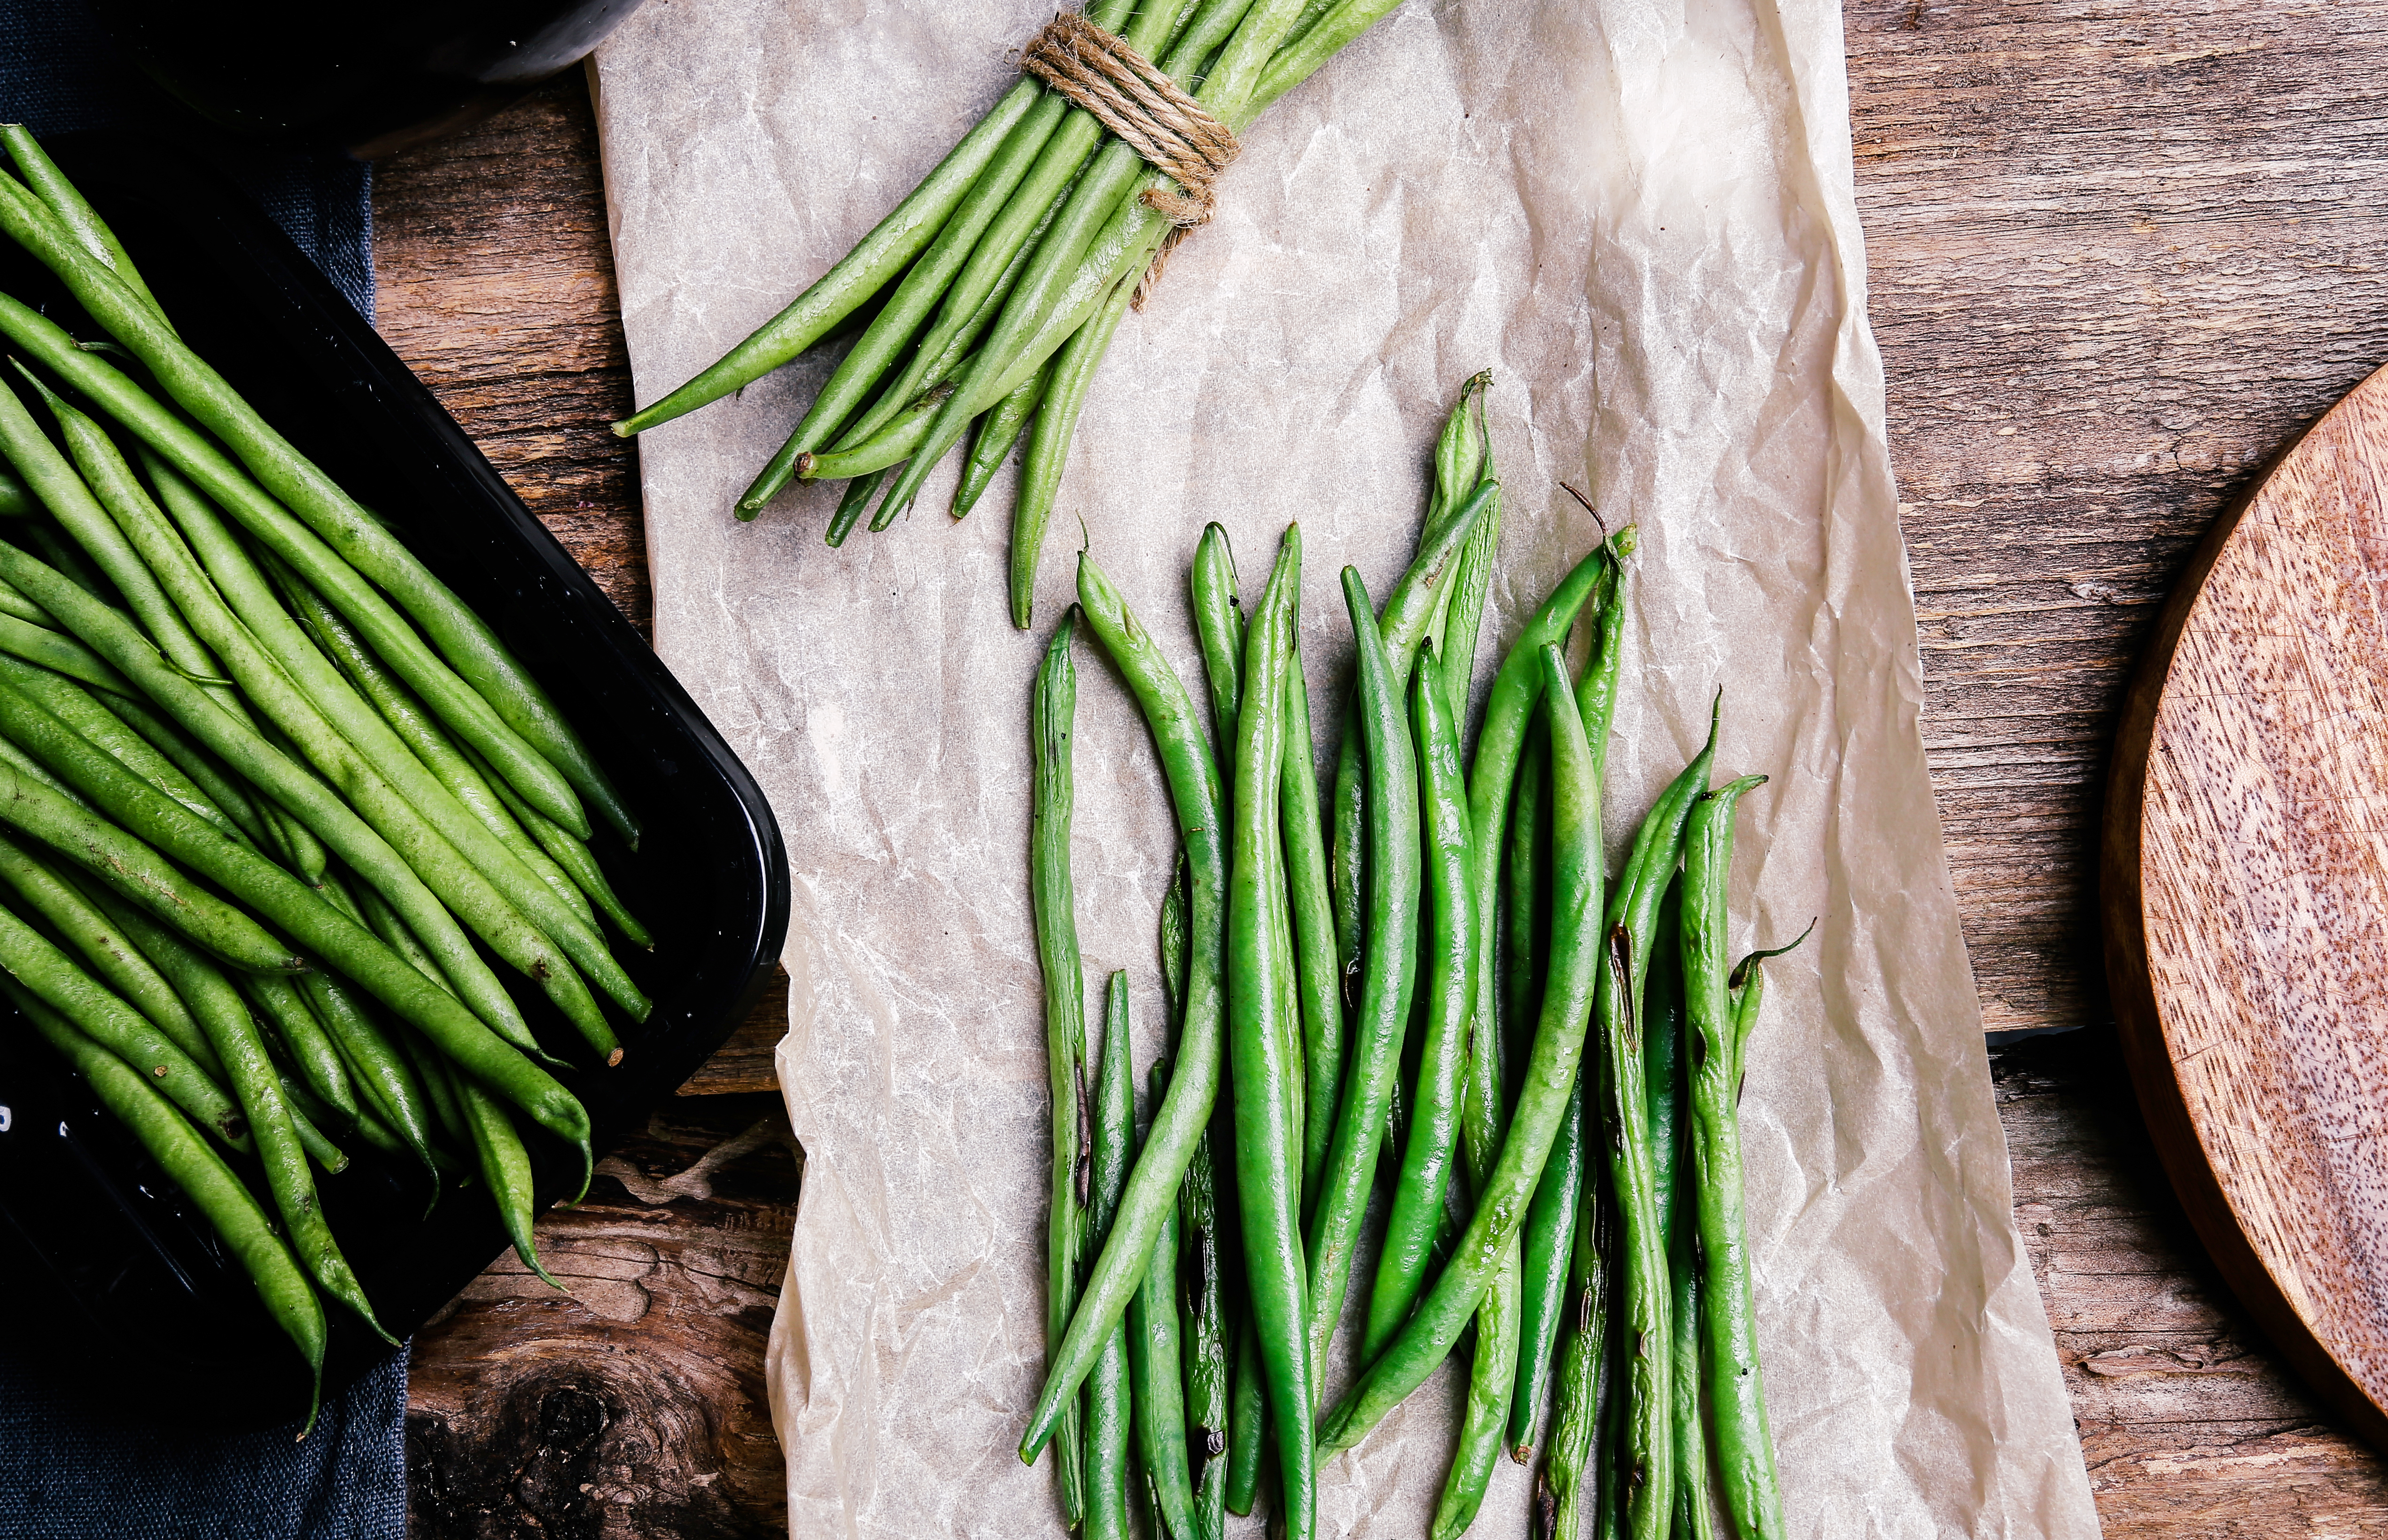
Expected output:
(59, 72)
(75, 1465)
(102, 1459)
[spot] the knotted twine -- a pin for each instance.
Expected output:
(1145, 109)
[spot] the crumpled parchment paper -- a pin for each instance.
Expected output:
(1637, 213)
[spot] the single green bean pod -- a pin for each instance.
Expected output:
(1389, 972)
(1052, 709)
(1745, 1447)
(1110, 1414)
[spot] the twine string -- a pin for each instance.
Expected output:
(1145, 109)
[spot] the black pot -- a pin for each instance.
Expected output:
(363, 79)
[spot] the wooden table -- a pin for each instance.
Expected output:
(2117, 259)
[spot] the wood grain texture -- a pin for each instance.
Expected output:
(2245, 876)
(635, 1406)
(2118, 254)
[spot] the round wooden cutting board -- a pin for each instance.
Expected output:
(2244, 886)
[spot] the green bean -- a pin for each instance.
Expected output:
(283, 1151)
(1646, 1294)
(101, 728)
(85, 498)
(1052, 710)
(1745, 1449)
(282, 1286)
(1219, 633)
(1203, 1330)
(1693, 1518)
(1202, 1333)
(1576, 1418)
(69, 558)
(1126, 246)
(37, 644)
(214, 1002)
(1435, 1114)
(964, 307)
(998, 430)
(1155, 1362)
(26, 765)
(334, 543)
(120, 858)
(1304, 54)
(344, 739)
(905, 431)
(570, 854)
(312, 1139)
(1067, 380)
(1508, 712)
(110, 954)
(1267, 1152)
(1553, 1218)
(136, 869)
(497, 702)
(36, 963)
(210, 777)
(1109, 1394)
(1408, 613)
(1550, 1229)
(1542, 1103)
(1395, 867)
(1177, 1126)
(268, 768)
(505, 1169)
(308, 1047)
(1748, 985)
(1666, 1066)
(1105, 189)
(521, 918)
(1249, 1424)
(18, 502)
(386, 1082)
(889, 247)
(437, 1085)
(1314, 934)
(71, 209)
(419, 731)
(851, 505)
(1485, 1418)
(1492, 1369)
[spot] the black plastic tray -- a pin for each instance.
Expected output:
(710, 877)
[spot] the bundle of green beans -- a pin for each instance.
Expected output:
(1566, 1172)
(998, 282)
(268, 792)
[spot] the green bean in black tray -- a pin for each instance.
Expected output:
(266, 781)
(1578, 1124)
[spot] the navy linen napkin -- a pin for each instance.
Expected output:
(75, 1463)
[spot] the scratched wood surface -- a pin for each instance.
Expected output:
(2117, 257)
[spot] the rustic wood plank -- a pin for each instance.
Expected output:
(634, 1406)
(2118, 256)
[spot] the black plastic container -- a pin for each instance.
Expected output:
(710, 876)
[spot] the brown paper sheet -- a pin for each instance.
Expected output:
(1638, 213)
